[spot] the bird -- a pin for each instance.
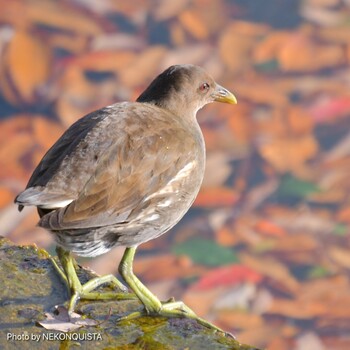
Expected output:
(123, 175)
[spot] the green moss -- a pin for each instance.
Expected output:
(31, 287)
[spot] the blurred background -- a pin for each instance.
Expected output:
(265, 250)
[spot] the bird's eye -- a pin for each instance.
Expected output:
(204, 87)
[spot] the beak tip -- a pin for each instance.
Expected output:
(225, 96)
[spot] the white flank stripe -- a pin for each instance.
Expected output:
(182, 173)
(168, 188)
(165, 203)
(152, 218)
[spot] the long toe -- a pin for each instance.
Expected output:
(99, 281)
(180, 309)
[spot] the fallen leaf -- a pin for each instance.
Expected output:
(326, 110)
(227, 276)
(269, 228)
(27, 63)
(6, 196)
(193, 24)
(268, 48)
(273, 269)
(166, 267)
(239, 319)
(217, 196)
(143, 67)
(289, 154)
(295, 188)
(327, 55)
(64, 322)
(340, 255)
(206, 252)
(242, 36)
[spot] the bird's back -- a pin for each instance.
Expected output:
(113, 164)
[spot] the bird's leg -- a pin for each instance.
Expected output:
(148, 299)
(151, 303)
(79, 291)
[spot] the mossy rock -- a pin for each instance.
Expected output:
(30, 287)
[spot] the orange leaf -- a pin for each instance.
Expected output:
(308, 50)
(46, 132)
(289, 154)
(227, 276)
(212, 197)
(344, 215)
(193, 24)
(225, 236)
(27, 64)
(269, 228)
(6, 196)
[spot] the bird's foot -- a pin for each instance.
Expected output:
(179, 309)
(85, 291)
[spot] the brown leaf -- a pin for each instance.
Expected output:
(289, 154)
(167, 267)
(297, 309)
(239, 319)
(64, 322)
(62, 16)
(272, 268)
(295, 242)
(236, 44)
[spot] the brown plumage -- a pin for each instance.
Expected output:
(126, 173)
(123, 175)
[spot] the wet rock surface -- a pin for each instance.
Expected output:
(30, 288)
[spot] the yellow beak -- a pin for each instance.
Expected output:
(223, 95)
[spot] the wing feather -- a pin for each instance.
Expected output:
(130, 170)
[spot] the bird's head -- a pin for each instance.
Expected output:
(184, 89)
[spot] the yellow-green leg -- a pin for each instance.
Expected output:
(153, 306)
(79, 291)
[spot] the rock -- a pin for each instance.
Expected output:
(30, 288)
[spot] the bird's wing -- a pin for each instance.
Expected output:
(135, 167)
(50, 185)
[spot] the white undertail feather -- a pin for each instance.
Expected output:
(56, 205)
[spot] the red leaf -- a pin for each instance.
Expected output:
(323, 111)
(227, 276)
